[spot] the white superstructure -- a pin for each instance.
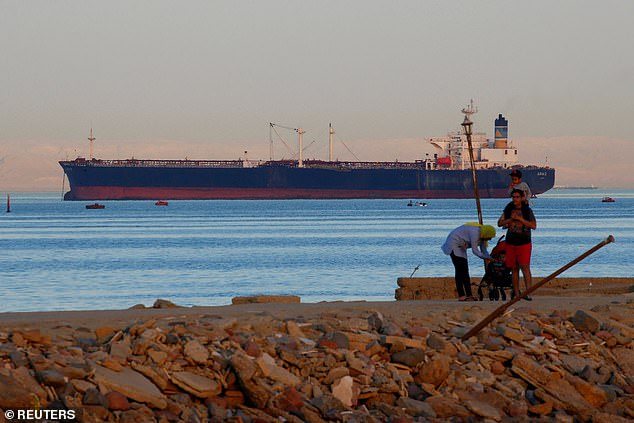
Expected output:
(452, 151)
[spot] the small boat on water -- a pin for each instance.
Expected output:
(95, 206)
(161, 203)
(418, 203)
(608, 200)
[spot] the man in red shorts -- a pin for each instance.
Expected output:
(519, 220)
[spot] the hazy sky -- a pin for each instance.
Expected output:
(202, 79)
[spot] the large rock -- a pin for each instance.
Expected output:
(625, 358)
(161, 303)
(447, 407)
(593, 394)
(433, 372)
(560, 389)
(246, 372)
(410, 357)
(584, 322)
(200, 386)
(415, 408)
(19, 390)
(334, 340)
(335, 373)
(484, 410)
(288, 299)
(131, 384)
(279, 374)
(197, 352)
(346, 391)
(294, 330)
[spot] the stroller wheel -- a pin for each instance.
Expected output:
(502, 294)
(496, 294)
(480, 293)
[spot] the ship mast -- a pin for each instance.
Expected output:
(300, 163)
(91, 139)
(469, 111)
(331, 132)
(467, 123)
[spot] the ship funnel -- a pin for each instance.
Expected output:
(501, 132)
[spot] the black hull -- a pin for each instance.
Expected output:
(100, 181)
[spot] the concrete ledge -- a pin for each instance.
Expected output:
(266, 299)
(445, 288)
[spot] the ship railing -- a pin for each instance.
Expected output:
(365, 165)
(157, 163)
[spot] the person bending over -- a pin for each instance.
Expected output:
(472, 236)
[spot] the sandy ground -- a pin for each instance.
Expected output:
(565, 293)
(397, 310)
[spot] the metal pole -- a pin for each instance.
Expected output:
(91, 139)
(467, 127)
(270, 141)
(300, 163)
(330, 134)
(477, 328)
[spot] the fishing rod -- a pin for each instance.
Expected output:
(415, 269)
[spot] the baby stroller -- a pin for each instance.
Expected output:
(497, 276)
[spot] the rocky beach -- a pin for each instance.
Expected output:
(556, 359)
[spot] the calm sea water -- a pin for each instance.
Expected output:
(56, 255)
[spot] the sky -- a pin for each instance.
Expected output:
(203, 79)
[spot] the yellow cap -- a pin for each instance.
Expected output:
(487, 232)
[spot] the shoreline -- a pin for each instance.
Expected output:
(443, 289)
(93, 319)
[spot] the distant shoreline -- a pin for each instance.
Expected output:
(594, 290)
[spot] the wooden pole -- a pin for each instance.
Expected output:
(467, 128)
(477, 328)
(475, 180)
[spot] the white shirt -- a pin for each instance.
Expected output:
(524, 187)
(463, 237)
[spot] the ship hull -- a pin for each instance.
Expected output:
(100, 182)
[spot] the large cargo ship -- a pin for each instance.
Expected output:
(443, 174)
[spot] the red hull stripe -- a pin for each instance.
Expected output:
(149, 193)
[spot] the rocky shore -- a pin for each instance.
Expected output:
(549, 360)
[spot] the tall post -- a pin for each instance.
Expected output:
(467, 123)
(91, 139)
(331, 132)
(270, 141)
(300, 131)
